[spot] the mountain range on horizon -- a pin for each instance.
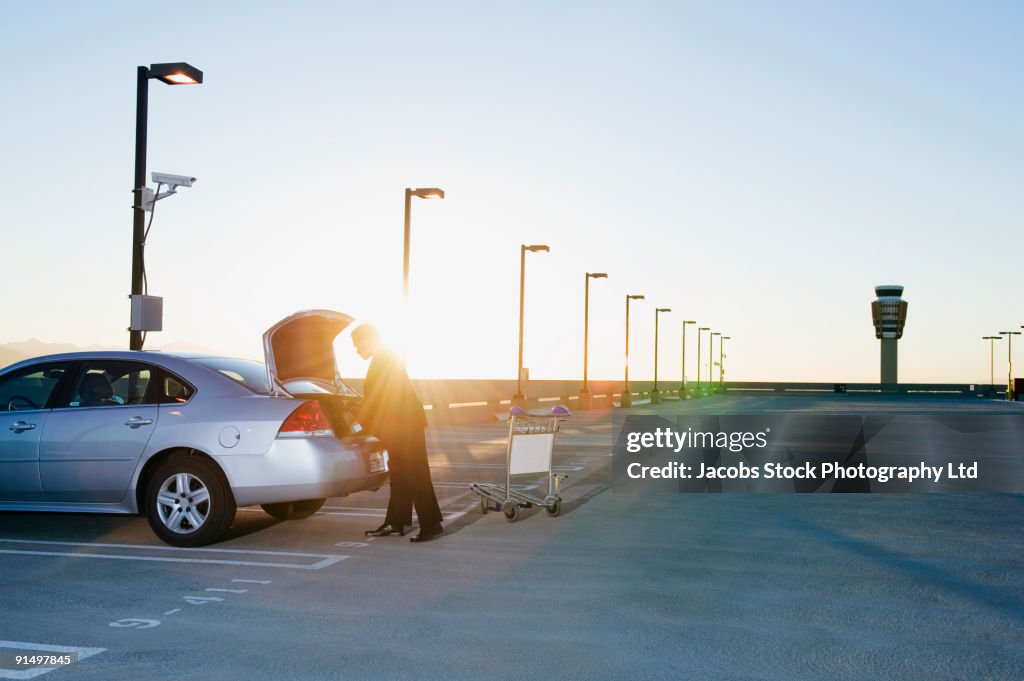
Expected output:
(33, 347)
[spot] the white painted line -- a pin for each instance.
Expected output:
(354, 508)
(251, 581)
(18, 646)
(229, 591)
(376, 514)
(496, 465)
(465, 485)
(171, 612)
(326, 560)
(202, 600)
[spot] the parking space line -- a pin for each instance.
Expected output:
(21, 646)
(465, 485)
(325, 560)
(460, 464)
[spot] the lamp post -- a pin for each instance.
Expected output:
(519, 400)
(1009, 356)
(425, 193)
(655, 394)
(699, 329)
(682, 382)
(711, 361)
(178, 73)
(586, 400)
(626, 400)
(721, 361)
(992, 360)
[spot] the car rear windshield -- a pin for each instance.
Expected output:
(253, 375)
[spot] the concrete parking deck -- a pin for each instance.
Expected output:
(623, 585)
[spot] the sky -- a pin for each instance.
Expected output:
(756, 166)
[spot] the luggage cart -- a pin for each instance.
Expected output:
(531, 440)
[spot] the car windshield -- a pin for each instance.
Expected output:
(253, 375)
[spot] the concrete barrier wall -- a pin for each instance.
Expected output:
(469, 401)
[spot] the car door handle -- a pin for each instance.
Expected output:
(20, 426)
(136, 421)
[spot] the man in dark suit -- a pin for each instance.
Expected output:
(392, 412)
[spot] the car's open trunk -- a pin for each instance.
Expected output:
(341, 411)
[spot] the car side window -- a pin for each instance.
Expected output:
(175, 390)
(111, 384)
(31, 387)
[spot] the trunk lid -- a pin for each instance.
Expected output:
(300, 348)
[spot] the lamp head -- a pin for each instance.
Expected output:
(663, 309)
(597, 275)
(427, 193)
(177, 73)
(634, 297)
(537, 248)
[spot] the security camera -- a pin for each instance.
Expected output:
(173, 180)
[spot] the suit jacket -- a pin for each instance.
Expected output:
(391, 410)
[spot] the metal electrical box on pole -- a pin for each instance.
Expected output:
(147, 313)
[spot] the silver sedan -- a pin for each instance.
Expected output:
(186, 439)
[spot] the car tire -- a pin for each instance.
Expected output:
(294, 510)
(188, 503)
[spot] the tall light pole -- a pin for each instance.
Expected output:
(425, 193)
(682, 382)
(177, 73)
(699, 329)
(519, 400)
(627, 396)
(586, 399)
(655, 394)
(711, 361)
(992, 359)
(1009, 355)
(721, 361)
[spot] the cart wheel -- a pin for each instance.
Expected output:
(511, 511)
(554, 508)
(484, 505)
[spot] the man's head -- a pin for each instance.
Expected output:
(366, 339)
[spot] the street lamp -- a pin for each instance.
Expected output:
(177, 73)
(682, 383)
(721, 360)
(627, 396)
(992, 360)
(699, 329)
(1009, 354)
(519, 400)
(711, 361)
(655, 395)
(586, 400)
(426, 193)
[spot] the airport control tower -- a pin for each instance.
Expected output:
(889, 313)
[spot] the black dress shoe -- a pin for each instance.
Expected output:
(428, 534)
(386, 529)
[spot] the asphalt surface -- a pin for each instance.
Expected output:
(622, 585)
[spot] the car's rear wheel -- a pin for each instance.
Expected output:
(294, 510)
(188, 503)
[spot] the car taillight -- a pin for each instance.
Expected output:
(309, 420)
